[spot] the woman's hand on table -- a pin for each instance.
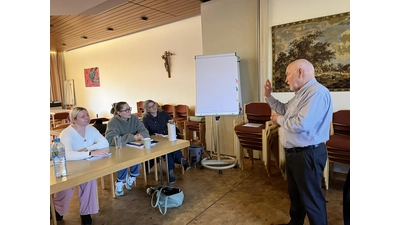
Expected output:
(99, 153)
(138, 137)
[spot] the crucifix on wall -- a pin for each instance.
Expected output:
(166, 58)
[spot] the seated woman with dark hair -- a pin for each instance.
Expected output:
(129, 128)
(156, 120)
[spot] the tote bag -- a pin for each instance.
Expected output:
(167, 197)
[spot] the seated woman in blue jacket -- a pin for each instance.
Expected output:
(156, 120)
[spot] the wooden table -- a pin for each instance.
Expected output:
(82, 171)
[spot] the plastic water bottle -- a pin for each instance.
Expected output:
(59, 159)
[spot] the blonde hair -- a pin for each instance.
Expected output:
(146, 106)
(74, 113)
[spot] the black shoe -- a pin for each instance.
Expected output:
(185, 164)
(86, 219)
(58, 216)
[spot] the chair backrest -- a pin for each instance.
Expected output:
(341, 122)
(102, 119)
(170, 109)
(101, 128)
(181, 111)
(139, 106)
(257, 112)
(61, 116)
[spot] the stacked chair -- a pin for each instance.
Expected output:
(338, 145)
(255, 131)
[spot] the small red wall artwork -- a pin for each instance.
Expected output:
(92, 77)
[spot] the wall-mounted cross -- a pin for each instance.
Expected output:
(166, 58)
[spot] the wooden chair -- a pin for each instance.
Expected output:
(181, 115)
(59, 118)
(170, 109)
(195, 131)
(140, 109)
(254, 132)
(61, 125)
(103, 119)
(338, 145)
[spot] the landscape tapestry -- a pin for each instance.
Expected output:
(324, 41)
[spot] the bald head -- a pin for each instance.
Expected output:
(298, 73)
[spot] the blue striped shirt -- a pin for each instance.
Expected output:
(305, 119)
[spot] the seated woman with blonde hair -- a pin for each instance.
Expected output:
(156, 120)
(81, 142)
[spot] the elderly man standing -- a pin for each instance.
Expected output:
(304, 121)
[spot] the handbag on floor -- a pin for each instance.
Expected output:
(165, 197)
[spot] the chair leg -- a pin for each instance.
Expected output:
(267, 162)
(250, 153)
(242, 156)
(326, 175)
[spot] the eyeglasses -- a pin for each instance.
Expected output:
(126, 110)
(152, 106)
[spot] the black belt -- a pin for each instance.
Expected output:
(300, 149)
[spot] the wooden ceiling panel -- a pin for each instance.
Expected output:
(124, 19)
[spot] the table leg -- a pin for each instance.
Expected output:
(155, 169)
(112, 184)
(53, 210)
(102, 183)
(144, 173)
(167, 171)
(161, 179)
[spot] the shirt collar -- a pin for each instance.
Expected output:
(309, 83)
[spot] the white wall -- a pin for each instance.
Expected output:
(131, 68)
(231, 26)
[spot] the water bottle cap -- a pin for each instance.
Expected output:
(57, 140)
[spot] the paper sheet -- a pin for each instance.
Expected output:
(252, 125)
(98, 157)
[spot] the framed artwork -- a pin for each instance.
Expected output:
(92, 77)
(324, 41)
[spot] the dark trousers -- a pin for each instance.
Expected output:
(304, 177)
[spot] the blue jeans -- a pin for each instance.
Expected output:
(134, 171)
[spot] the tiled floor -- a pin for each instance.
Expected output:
(232, 197)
